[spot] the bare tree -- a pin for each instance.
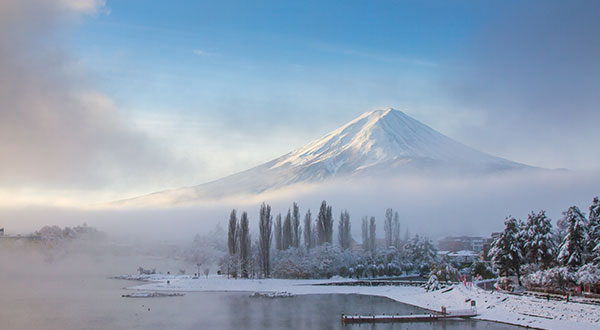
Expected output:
(244, 235)
(232, 235)
(265, 228)
(396, 231)
(387, 227)
(296, 230)
(286, 233)
(232, 244)
(278, 232)
(344, 235)
(372, 237)
(325, 224)
(365, 234)
(308, 234)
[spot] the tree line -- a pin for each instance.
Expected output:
(289, 246)
(547, 256)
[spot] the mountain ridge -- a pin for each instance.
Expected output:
(378, 142)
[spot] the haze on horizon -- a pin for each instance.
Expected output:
(104, 100)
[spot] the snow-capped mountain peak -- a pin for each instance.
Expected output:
(383, 136)
(377, 143)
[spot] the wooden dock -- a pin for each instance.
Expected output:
(463, 314)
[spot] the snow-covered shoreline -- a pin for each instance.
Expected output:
(492, 306)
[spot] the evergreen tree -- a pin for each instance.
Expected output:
(421, 253)
(324, 224)
(278, 233)
(372, 236)
(539, 245)
(308, 233)
(396, 232)
(365, 234)
(244, 235)
(572, 250)
(286, 234)
(593, 245)
(387, 227)
(505, 252)
(296, 229)
(265, 237)
(344, 235)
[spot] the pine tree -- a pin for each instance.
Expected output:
(325, 224)
(421, 253)
(265, 237)
(308, 233)
(244, 235)
(286, 234)
(593, 245)
(372, 236)
(365, 234)
(572, 250)
(344, 235)
(396, 231)
(387, 227)
(278, 233)
(538, 238)
(505, 251)
(296, 229)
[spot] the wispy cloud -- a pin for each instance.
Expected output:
(201, 52)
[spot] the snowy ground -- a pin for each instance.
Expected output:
(493, 306)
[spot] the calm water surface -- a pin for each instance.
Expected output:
(77, 295)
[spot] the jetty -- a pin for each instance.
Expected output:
(444, 315)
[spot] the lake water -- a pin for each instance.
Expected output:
(76, 294)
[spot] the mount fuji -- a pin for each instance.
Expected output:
(377, 143)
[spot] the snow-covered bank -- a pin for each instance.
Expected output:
(493, 306)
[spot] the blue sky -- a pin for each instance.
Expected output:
(190, 91)
(161, 56)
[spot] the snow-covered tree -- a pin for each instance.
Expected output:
(421, 253)
(432, 284)
(387, 227)
(244, 236)
(265, 236)
(505, 251)
(588, 276)
(324, 224)
(308, 232)
(593, 230)
(278, 233)
(445, 272)
(296, 229)
(572, 250)
(344, 234)
(286, 232)
(538, 238)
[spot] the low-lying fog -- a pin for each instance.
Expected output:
(433, 207)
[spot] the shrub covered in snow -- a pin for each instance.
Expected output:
(444, 273)
(432, 284)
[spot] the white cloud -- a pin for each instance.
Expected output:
(57, 131)
(88, 7)
(201, 52)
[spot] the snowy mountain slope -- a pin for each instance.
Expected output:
(380, 142)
